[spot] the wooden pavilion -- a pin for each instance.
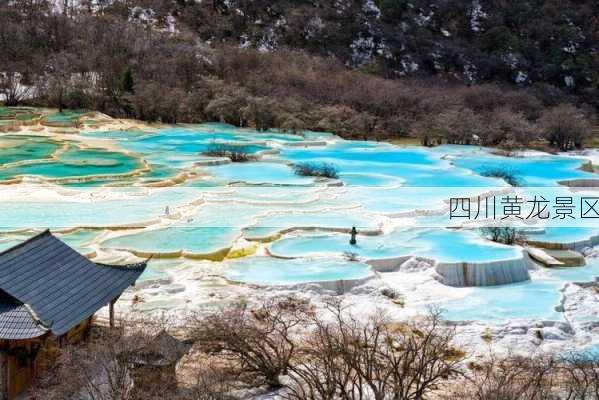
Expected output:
(49, 294)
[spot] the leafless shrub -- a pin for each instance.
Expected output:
(260, 341)
(13, 88)
(565, 127)
(509, 176)
(580, 377)
(502, 234)
(508, 377)
(357, 358)
(214, 380)
(98, 370)
(236, 153)
(324, 170)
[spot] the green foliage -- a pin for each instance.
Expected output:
(392, 9)
(499, 39)
(126, 81)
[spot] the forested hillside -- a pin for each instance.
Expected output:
(504, 72)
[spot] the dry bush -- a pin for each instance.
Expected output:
(99, 369)
(236, 153)
(579, 377)
(535, 377)
(318, 169)
(350, 357)
(565, 127)
(507, 378)
(212, 380)
(508, 175)
(459, 126)
(259, 341)
(503, 234)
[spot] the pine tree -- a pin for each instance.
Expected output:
(126, 81)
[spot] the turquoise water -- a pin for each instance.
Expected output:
(272, 271)
(338, 244)
(188, 239)
(159, 269)
(374, 180)
(259, 173)
(531, 171)
(462, 246)
(442, 245)
(99, 213)
(77, 163)
(336, 220)
(17, 149)
(536, 298)
(79, 239)
(122, 135)
(361, 152)
(67, 116)
(264, 197)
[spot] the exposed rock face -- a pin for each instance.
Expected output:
(484, 274)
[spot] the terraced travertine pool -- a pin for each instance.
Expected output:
(118, 193)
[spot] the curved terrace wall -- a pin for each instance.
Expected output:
(502, 272)
(339, 286)
(576, 245)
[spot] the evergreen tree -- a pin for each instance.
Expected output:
(126, 81)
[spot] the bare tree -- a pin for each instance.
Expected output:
(13, 89)
(214, 380)
(580, 377)
(369, 357)
(260, 341)
(565, 127)
(507, 378)
(101, 369)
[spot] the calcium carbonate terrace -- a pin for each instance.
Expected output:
(118, 194)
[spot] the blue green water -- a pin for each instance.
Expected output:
(73, 163)
(265, 197)
(442, 245)
(272, 271)
(17, 149)
(531, 171)
(534, 299)
(187, 239)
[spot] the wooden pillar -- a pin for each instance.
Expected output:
(111, 313)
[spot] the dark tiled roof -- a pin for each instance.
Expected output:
(61, 286)
(17, 321)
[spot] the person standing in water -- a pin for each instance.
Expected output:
(354, 232)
